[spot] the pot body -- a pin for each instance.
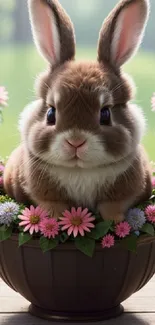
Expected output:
(67, 284)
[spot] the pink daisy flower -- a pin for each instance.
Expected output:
(77, 221)
(3, 96)
(150, 213)
(31, 219)
(153, 182)
(153, 102)
(108, 241)
(49, 227)
(123, 229)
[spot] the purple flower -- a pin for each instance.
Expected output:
(136, 219)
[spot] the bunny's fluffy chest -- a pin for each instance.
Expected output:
(82, 185)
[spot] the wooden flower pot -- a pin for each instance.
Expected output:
(64, 284)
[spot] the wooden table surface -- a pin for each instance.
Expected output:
(139, 309)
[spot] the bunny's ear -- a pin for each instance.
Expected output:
(52, 30)
(122, 32)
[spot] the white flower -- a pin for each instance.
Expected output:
(7, 211)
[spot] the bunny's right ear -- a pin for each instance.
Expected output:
(122, 32)
(52, 30)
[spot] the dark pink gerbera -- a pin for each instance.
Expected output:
(150, 213)
(108, 241)
(49, 227)
(122, 229)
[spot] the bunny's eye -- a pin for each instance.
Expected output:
(51, 116)
(105, 116)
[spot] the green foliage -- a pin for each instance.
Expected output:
(5, 233)
(130, 243)
(48, 244)
(5, 198)
(148, 229)
(63, 237)
(24, 238)
(85, 245)
(100, 230)
(21, 208)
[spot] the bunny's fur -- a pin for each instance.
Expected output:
(111, 172)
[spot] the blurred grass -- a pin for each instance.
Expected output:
(19, 67)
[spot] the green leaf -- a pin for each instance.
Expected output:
(5, 198)
(141, 206)
(5, 233)
(148, 229)
(98, 217)
(100, 230)
(130, 243)
(3, 228)
(85, 245)
(24, 238)
(63, 237)
(48, 244)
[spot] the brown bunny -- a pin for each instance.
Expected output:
(81, 139)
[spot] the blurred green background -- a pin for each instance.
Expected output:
(20, 62)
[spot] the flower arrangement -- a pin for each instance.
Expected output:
(84, 228)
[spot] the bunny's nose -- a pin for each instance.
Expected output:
(76, 143)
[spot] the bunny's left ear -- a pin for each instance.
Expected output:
(122, 32)
(52, 30)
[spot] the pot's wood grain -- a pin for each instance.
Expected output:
(139, 309)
